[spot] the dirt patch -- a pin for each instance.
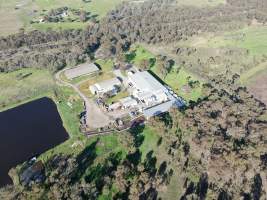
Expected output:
(259, 88)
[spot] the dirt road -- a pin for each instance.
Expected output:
(95, 118)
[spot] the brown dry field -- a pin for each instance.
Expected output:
(259, 87)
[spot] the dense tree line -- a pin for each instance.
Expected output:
(152, 22)
(161, 21)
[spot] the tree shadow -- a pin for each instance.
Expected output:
(134, 158)
(136, 132)
(167, 119)
(99, 172)
(84, 160)
(150, 163)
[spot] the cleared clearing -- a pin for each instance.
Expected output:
(258, 87)
(21, 85)
(252, 38)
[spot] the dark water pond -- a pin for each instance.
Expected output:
(26, 131)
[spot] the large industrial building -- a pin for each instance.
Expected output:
(147, 89)
(155, 97)
(147, 94)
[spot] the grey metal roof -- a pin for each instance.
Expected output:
(146, 82)
(80, 70)
(108, 84)
(162, 108)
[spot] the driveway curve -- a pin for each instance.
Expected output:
(95, 118)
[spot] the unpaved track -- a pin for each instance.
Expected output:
(95, 118)
(259, 88)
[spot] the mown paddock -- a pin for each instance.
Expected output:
(24, 84)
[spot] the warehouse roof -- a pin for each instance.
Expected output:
(146, 82)
(108, 84)
(80, 70)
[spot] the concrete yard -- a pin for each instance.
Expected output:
(96, 118)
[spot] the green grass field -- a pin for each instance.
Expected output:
(11, 19)
(25, 84)
(60, 26)
(137, 54)
(150, 141)
(96, 7)
(106, 65)
(252, 38)
(117, 97)
(180, 80)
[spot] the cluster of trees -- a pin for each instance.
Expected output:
(152, 22)
(55, 50)
(219, 143)
(83, 177)
(161, 21)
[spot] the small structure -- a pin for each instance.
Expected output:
(81, 70)
(110, 87)
(128, 102)
(114, 106)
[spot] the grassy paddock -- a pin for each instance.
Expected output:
(150, 142)
(24, 85)
(60, 26)
(96, 7)
(137, 54)
(251, 38)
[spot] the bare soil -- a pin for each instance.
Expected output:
(259, 87)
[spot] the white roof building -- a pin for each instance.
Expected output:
(80, 70)
(128, 102)
(155, 96)
(147, 89)
(106, 86)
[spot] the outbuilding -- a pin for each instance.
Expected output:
(111, 87)
(81, 70)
